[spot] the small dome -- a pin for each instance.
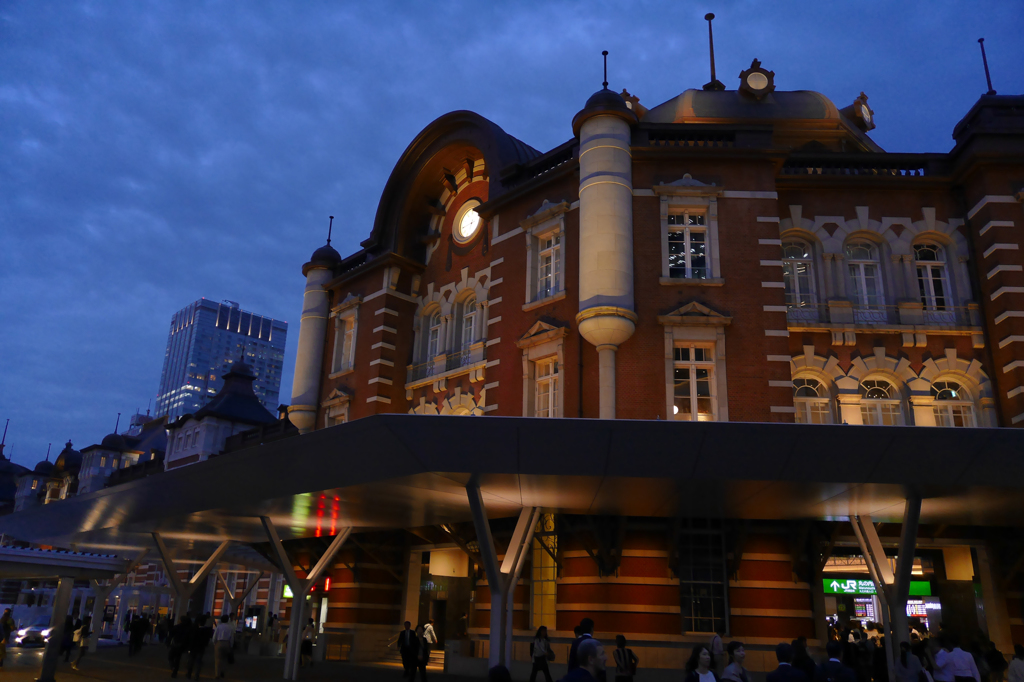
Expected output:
(70, 460)
(44, 468)
(325, 255)
(113, 442)
(603, 102)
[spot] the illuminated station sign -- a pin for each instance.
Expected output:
(918, 588)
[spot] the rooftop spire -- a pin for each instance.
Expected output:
(984, 60)
(48, 446)
(714, 84)
(605, 55)
(118, 422)
(330, 227)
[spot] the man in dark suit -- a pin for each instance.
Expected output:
(786, 672)
(408, 645)
(833, 669)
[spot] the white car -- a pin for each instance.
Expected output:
(37, 633)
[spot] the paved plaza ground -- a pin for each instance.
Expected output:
(112, 664)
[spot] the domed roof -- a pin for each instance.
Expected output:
(603, 102)
(712, 106)
(325, 255)
(69, 461)
(44, 468)
(112, 441)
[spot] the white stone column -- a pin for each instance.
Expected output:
(310, 356)
(606, 318)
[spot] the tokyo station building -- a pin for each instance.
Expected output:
(731, 366)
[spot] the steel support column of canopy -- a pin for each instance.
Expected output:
(892, 588)
(300, 589)
(233, 599)
(102, 593)
(182, 591)
(501, 580)
(61, 601)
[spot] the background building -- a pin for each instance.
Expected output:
(205, 339)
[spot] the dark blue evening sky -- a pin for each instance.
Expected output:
(152, 153)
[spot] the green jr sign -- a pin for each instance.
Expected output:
(918, 588)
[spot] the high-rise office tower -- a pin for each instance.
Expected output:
(205, 339)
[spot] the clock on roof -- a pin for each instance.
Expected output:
(756, 81)
(467, 222)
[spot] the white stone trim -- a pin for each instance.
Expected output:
(493, 320)
(493, 384)
(1018, 419)
(775, 309)
(380, 380)
(386, 311)
(991, 199)
(498, 261)
(767, 219)
(1003, 268)
(494, 301)
(780, 358)
(1009, 367)
(1009, 313)
(1005, 290)
(493, 363)
(776, 332)
(1015, 392)
(508, 235)
(994, 223)
(381, 344)
(749, 194)
(770, 242)
(999, 247)
(382, 361)
(780, 384)
(772, 263)
(379, 399)
(1013, 338)
(781, 409)
(773, 285)
(382, 328)
(493, 342)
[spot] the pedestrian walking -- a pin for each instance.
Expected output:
(700, 666)
(202, 634)
(717, 649)
(625, 660)
(583, 632)
(7, 626)
(802, 659)
(541, 653)
(178, 640)
(590, 660)
(306, 650)
(422, 654)
(908, 666)
(955, 664)
(735, 672)
(1015, 673)
(429, 634)
(81, 639)
(223, 638)
(786, 671)
(407, 644)
(834, 670)
(67, 642)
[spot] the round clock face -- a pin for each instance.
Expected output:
(467, 222)
(865, 113)
(757, 81)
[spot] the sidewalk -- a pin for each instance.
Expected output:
(111, 664)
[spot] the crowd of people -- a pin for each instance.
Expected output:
(853, 653)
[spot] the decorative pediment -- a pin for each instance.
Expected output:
(338, 396)
(695, 314)
(540, 332)
(350, 301)
(687, 185)
(547, 211)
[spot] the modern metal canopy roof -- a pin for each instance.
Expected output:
(398, 471)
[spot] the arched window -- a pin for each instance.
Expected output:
(880, 403)
(798, 275)
(468, 322)
(433, 336)
(953, 405)
(811, 400)
(865, 281)
(933, 281)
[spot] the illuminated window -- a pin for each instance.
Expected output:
(811, 400)
(344, 340)
(865, 281)
(798, 274)
(880, 403)
(468, 322)
(103, 462)
(953, 405)
(693, 368)
(549, 264)
(544, 574)
(687, 246)
(434, 336)
(35, 484)
(546, 387)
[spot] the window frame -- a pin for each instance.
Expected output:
(346, 330)
(707, 329)
(858, 281)
(547, 223)
(928, 298)
(551, 382)
(789, 275)
(693, 367)
(803, 404)
(874, 405)
(689, 195)
(543, 343)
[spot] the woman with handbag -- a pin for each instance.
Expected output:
(541, 651)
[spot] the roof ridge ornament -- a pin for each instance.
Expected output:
(714, 83)
(757, 81)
